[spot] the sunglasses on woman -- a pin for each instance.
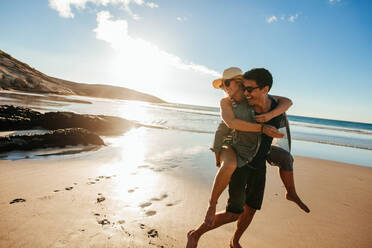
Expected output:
(227, 82)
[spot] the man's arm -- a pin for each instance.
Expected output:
(283, 105)
(228, 117)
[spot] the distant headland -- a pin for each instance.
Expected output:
(18, 76)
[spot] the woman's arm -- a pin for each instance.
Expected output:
(283, 105)
(228, 117)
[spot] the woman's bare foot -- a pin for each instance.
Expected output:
(192, 239)
(209, 216)
(297, 200)
(235, 244)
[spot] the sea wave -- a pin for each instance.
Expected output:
(319, 126)
(293, 138)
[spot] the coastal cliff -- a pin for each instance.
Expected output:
(16, 75)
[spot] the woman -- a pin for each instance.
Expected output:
(226, 157)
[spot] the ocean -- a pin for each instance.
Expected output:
(337, 140)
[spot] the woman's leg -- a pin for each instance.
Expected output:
(222, 179)
(284, 160)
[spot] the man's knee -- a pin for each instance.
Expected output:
(233, 216)
(249, 211)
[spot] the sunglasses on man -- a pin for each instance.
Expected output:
(248, 88)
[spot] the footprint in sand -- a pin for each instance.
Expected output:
(162, 197)
(69, 188)
(143, 166)
(145, 204)
(57, 190)
(170, 204)
(103, 222)
(100, 199)
(150, 213)
(17, 200)
(132, 190)
(152, 233)
(47, 197)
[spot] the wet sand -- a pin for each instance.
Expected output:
(101, 199)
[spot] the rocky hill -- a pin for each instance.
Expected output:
(16, 75)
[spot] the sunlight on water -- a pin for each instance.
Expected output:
(131, 155)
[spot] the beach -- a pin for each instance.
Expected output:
(339, 196)
(153, 200)
(149, 186)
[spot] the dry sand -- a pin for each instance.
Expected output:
(92, 201)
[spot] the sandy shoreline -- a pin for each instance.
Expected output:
(150, 206)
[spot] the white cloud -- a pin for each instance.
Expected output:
(138, 55)
(334, 1)
(181, 19)
(293, 17)
(272, 19)
(152, 5)
(64, 6)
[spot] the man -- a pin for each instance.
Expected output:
(247, 183)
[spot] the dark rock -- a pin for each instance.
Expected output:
(20, 118)
(56, 138)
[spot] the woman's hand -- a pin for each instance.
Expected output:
(264, 117)
(272, 131)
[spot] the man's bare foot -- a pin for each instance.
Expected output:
(298, 201)
(234, 244)
(209, 217)
(192, 239)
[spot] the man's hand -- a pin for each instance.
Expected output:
(272, 131)
(264, 117)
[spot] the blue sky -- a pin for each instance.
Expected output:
(318, 51)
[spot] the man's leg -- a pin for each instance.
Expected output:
(288, 181)
(255, 190)
(284, 160)
(222, 179)
(243, 222)
(220, 219)
(235, 207)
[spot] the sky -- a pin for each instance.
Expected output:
(319, 51)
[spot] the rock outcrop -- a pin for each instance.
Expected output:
(16, 75)
(55, 138)
(20, 118)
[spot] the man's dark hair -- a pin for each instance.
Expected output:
(262, 77)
